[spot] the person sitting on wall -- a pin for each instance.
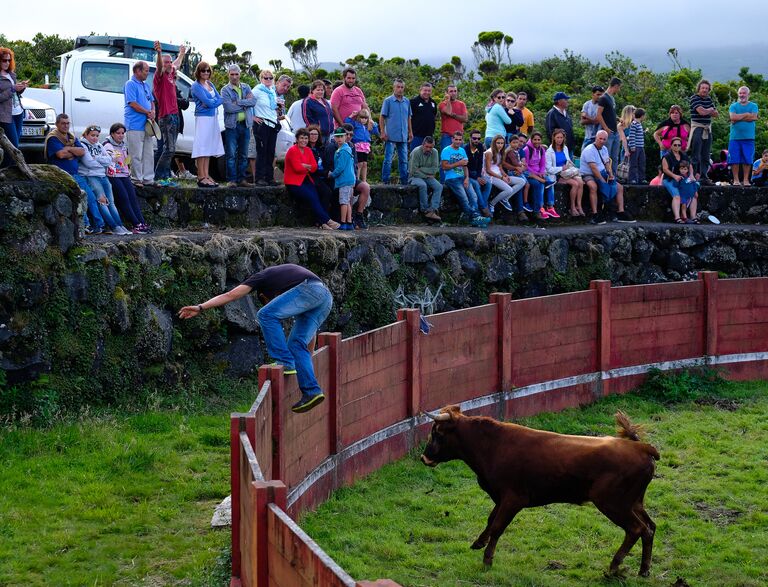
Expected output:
(680, 183)
(287, 291)
(597, 173)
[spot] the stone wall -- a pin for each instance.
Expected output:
(92, 318)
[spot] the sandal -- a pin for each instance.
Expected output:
(679, 221)
(692, 221)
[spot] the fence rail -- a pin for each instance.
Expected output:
(508, 359)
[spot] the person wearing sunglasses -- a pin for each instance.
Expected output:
(11, 112)
(266, 127)
(207, 142)
(140, 107)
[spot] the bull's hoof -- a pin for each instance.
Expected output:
(488, 562)
(644, 573)
(615, 573)
(478, 544)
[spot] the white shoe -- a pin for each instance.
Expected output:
(122, 230)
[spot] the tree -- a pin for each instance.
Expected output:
(492, 46)
(305, 52)
(227, 55)
(754, 81)
(276, 64)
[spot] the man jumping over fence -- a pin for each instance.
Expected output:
(287, 291)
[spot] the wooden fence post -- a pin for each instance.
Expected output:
(277, 387)
(265, 493)
(412, 317)
(603, 362)
(503, 303)
(710, 312)
(333, 341)
(234, 479)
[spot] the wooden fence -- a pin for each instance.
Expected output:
(508, 359)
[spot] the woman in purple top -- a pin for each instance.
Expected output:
(536, 158)
(317, 110)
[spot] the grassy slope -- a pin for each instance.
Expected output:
(114, 499)
(709, 502)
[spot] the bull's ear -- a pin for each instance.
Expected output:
(454, 411)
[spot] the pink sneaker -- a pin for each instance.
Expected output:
(552, 212)
(543, 214)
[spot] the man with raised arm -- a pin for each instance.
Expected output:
(164, 88)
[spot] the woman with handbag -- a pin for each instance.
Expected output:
(265, 128)
(207, 142)
(622, 128)
(560, 166)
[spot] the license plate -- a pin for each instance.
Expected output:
(32, 131)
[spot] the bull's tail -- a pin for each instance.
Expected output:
(630, 431)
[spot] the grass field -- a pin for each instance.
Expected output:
(709, 501)
(117, 498)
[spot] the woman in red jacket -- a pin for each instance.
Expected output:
(299, 164)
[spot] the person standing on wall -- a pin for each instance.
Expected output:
(164, 88)
(287, 291)
(139, 107)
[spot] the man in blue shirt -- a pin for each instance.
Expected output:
(454, 161)
(395, 130)
(139, 107)
(63, 150)
(741, 144)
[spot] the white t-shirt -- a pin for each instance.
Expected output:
(294, 115)
(591, 155)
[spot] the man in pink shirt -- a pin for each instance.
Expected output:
(164, 89)
(347, 99)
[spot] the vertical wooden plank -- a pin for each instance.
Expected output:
(333, 341)
(503, 303)
(603, 288)
(277, 389)
(234, 488)
(710, 312)
(412, 317)
(266, 492)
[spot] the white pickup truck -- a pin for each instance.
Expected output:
(91, 92)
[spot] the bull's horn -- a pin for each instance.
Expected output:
(439, 417)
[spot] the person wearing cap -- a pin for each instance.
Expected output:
(343, 175)
(558, 117)
(589, 117)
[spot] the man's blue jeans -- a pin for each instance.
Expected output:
(483, 192)
(445, 140)
(236, 148)
(169, 129)
(402, 161)
(309, 304)
(466, 197)
(427, 202)
(93, 205)
(614, 146)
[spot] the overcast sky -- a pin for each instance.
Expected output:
(431, 31)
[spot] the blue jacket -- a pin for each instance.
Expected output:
(343, 167)
(234, 105)
(204, 104)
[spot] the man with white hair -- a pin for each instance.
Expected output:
(741, 144)
(237, 101)
(164, 88)
(598, 176)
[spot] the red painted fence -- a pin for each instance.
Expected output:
(508, 359)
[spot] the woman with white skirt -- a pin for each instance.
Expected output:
(207, 142)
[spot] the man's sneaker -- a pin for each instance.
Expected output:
(552, 212)
(597, 218)
(347, 226)
(506, 205)
(286, 370)
(231, 184)
(358, 221)
(527, 207)
(432, 215)
(307, 402)
(87, 230)
(543, 214)
(625, 217)
(522, 216)
(480, 221)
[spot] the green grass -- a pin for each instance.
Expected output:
(118, 497)
(709, 501)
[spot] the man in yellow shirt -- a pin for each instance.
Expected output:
(522, 100)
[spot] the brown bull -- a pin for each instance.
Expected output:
(521, 467)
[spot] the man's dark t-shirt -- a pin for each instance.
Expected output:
(273, 281)
(609, 111)
(423, 117)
